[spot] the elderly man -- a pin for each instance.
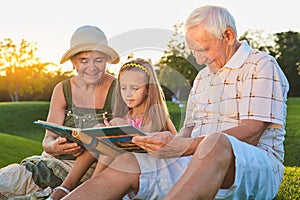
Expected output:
(231, 145)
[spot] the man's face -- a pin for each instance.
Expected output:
(206, 48)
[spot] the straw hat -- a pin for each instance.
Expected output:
(88, 38)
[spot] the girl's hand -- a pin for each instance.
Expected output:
(118, 121)
(57, 194)
(106, 122)
(100, 125)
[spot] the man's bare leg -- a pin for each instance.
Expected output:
(121, 177)
(208, 170)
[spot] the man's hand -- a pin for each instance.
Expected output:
(163, 144)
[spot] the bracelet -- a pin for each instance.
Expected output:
(63, 189)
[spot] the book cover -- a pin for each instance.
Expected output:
(112, 141)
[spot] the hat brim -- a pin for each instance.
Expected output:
(112, 55)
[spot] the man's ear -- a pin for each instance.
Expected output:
(229, 35)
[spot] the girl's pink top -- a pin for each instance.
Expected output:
(137, 123)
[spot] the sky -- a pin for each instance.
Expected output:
(141, 26)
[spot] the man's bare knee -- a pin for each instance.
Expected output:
(213, 142)
(127, 163)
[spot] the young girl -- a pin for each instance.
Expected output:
(140, 98)
(139, 102)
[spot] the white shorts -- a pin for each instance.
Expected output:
(159, 175)
(258, 174)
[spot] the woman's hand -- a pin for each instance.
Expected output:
(61, 146)
(163, 144)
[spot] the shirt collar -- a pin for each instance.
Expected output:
(240, 56)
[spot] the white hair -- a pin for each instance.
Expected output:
(215, 18)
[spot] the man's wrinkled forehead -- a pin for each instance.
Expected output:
(191, 43)
(196, 37)
(191, 34)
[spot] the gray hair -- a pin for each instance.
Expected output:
(215, 18)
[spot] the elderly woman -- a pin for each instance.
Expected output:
(81, 101)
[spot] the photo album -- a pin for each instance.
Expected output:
(111, 141)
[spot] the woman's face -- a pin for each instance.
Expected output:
(133, 88)
(90, 66)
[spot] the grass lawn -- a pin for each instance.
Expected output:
(292, 141)
(17, 119)
(13, 148)
(20, 138)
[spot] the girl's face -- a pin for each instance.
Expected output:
(133, 88)
(90, 66)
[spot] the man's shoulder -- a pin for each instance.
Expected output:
(257, 56)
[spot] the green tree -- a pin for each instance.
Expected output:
(259, 39)
(178, 67)
(20, 70)
(287, 51)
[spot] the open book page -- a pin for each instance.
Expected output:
(111, 141)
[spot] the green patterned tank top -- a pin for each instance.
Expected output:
(78, 117)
